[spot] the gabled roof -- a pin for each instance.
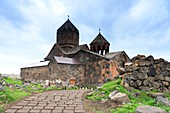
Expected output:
(55, 51)
(113, 54)
(77, 49)
(100, 40)
(38, 64)
(84, 46)
(65, 60)
(68, 25)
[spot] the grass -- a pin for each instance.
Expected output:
(12, 81)
(107, 89)
(10, 95)
(142, 99)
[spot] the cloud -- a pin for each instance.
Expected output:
(30, 42)
(28, 28)
(143, 28)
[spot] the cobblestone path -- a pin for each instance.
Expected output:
(63, 101)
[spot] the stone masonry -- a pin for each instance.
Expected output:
(147, 73)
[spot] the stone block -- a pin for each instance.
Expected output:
(147, 63)
(1, 88)
(145, 82)
(150, 84)
(23, 111)
(132, 77)
(149, 109)
(160, 77)
(132, 83)
(150, 58)
(141, 63)
(139, 82)
(156, 85)
(10, 110)
(129, 69)
(151, 79)
(113, 93)
(165, 83)
(154, 95)
(167, 79)
(121, 70)
(144, 88)
(34, 111)
(142, 76)
(162, 100)
(152, 71)
(79, 111)
(68, 111)
(46, 111)
(165, 90)
(120, 97)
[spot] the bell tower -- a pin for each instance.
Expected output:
(100, 45)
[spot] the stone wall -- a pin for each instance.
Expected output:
(147, 73)
(37, 73)
(66, 72)
(100, 72)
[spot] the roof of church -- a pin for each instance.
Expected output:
(99, 39)
(68, 25)
(38, 64)
(113, 54)
(65, 60)
(78, 48)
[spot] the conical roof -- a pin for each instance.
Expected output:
(67, 26)
(99, 40)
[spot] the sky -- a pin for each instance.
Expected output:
(28, 27)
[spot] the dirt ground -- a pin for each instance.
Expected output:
(99, 106)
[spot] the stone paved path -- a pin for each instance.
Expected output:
(64, 101)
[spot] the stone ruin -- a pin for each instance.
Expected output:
(147, 73)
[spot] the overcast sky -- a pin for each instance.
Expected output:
(28, 27)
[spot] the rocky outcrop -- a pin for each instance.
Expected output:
(149, 109)
(147, 73)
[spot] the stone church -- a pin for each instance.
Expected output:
(77, 64)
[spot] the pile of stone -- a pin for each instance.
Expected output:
(146, 73)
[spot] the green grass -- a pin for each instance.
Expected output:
(142, 99)
(107, 89)
(10, 95)
(12, 81)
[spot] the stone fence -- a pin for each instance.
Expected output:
(147, 73)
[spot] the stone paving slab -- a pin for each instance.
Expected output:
(62, 101)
